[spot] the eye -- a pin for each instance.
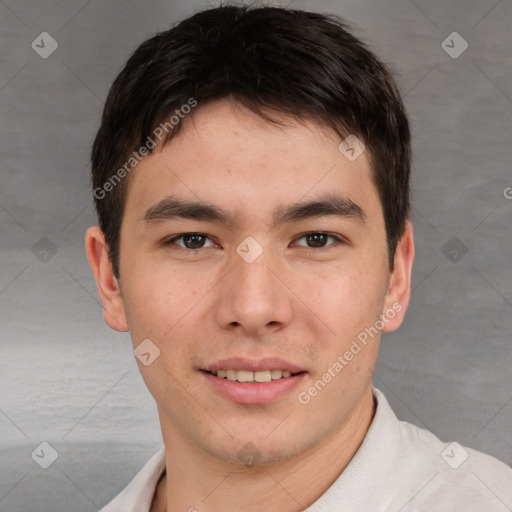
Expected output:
(317, 239)
(190, 241)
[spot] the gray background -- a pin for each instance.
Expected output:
(66, 379)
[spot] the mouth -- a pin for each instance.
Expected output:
(247, 376)
(250, 382)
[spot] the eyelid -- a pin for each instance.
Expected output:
(338, 240)
(171, 240)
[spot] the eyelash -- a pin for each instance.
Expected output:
(337, 240)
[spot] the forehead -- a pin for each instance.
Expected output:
(228, 155)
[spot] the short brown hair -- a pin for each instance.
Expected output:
(300, 63)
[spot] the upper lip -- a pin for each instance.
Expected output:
(253, 365)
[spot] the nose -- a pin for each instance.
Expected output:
(253, 298)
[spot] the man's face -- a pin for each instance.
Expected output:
(208, 303)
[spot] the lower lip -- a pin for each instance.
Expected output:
(253, 393)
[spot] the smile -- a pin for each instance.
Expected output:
(248, 376)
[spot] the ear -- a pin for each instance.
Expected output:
(108, 287)
(399, 288)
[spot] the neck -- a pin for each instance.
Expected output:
(205, 484)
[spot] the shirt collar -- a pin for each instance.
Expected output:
(371, 463)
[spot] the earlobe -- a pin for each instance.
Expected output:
(399, 288)
(108, 286)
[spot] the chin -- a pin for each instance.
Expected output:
(250, 451)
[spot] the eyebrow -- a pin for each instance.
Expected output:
(171, 208)
(330, 204)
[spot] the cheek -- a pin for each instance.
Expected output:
(350, 305)
(346, 300)
(157, 302)
(162, 310)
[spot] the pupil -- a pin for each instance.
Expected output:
(193, 241)
(316, 239)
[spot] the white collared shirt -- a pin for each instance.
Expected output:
(398, 468)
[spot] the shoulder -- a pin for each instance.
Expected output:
(417, 471)
(452, 474)
(138, 494)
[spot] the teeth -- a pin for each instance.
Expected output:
(231, 374)
(276, 374)
(264, 376)
(248, 376)
(244, 376)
